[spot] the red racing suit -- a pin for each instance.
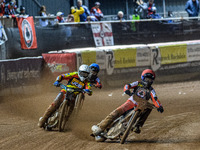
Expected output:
(74, 82)
(140, 91)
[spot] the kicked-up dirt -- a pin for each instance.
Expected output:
(178, 128)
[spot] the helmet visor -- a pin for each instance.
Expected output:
(93, 72)
(84, 74)
(148, 80)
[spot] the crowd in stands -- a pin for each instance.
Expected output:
(81, 13)
(9, 9)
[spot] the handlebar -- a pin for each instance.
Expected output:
(69, 89)
(127, 94)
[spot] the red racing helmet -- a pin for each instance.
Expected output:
(148, 73)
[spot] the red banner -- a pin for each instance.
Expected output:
(27, 33)
(61, 63)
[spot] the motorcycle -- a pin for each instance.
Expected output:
(59, 118)
(126, 123)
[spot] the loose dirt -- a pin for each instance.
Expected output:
(178, 128)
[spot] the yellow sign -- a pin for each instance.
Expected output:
(125, 58)
(88, 57)
(173, 54)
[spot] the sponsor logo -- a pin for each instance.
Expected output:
(27, 33)
(77, 83)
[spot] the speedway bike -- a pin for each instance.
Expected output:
(126, 123)
(70, 106)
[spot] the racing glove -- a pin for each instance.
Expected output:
(98, 85)
(56, 83)
(128, 92)
(160, 109)
(89, 92)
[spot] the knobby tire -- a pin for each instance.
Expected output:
(126, 133)
(78, 103)
(64, 115)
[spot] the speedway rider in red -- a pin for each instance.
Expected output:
(75, 80)
(93, 78)
(142, 89)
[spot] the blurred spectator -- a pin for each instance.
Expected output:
(23, 12)
(43, 22)
(150, 5)
(2, 7)
(91, 18)
(10, 9)
(170, 15)
(60, 17)
(77, 12)
(154, 15)
(192, 8)
(70, 18)
(141, 9)
(120, 16)
(83, 17)
(95, 11)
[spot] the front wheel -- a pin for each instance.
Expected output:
(64, 115)
(129, 126)
(79, 103)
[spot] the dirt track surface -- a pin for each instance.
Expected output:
(178, 128)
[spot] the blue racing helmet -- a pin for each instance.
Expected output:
(94, 67)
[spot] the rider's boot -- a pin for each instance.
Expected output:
(137, 129)
(50, 110)
(97, 129)
(141, 121)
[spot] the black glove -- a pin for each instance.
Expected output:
(160, 109)
(128, 92)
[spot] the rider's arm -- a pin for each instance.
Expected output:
(130, 86)
(98, 83)
(67, 76)
(88, 88)
(154, 99)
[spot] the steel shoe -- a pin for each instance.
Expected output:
(41, 122)
(96, 130)
(99, 138)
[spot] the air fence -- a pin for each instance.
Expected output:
(79, 35)
(120, 64)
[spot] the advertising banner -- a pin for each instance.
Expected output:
(101, 58)
(173, 54)
(3, 36)
(110, 61)
(88, 57)
(155, 58)
(125, 58)
(193, 52)
(143, 56)
(20, 72)
(61, 63)
(27, 33)
(102, 34)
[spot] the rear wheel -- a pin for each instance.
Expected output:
(64, 115)
(129, 126)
